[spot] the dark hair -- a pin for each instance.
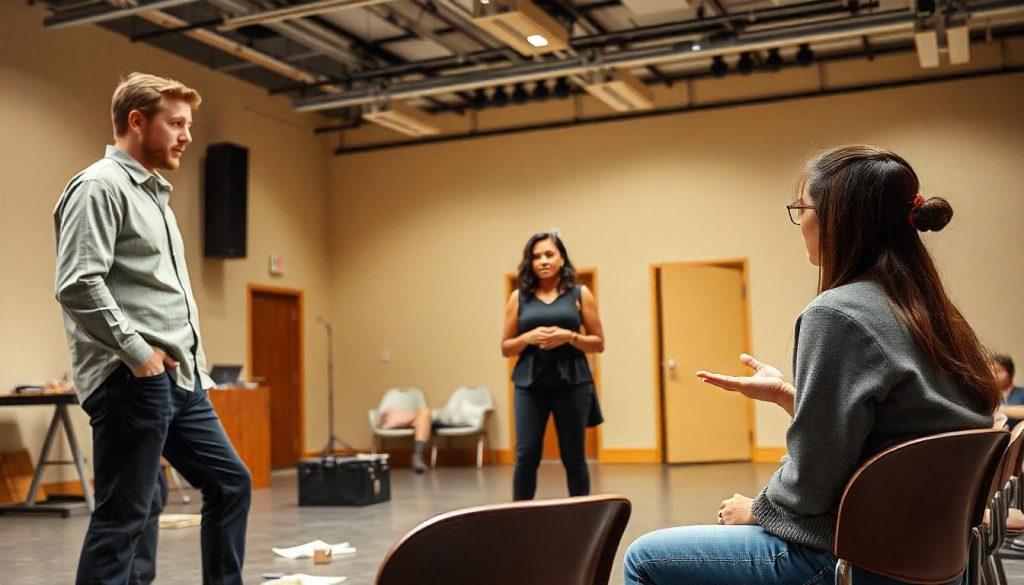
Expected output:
(528, 281)
(864, 198)
(1007, 363)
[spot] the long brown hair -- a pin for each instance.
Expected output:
(869, 213)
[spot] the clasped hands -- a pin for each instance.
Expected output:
(548, 337)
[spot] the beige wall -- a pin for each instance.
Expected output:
(54, 120)
(422, 236)
(406, 249)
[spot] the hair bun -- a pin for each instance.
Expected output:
(932, 215)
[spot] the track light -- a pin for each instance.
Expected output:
(745, 65)
(562, 88)
(927, 43)
(541, 91)
(499, 98)
(519, 95)
(958, 40)
(719, 67)
(805, 56)
(925, 6)
(774, 60)
(479, 99)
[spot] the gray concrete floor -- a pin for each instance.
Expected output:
(44, 550)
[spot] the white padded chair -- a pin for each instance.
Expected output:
(406, 399)
(469, 405)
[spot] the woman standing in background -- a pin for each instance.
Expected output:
(543, 320)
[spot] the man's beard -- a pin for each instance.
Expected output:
(157, 157)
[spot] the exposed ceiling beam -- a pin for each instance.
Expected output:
(237, 49)
(297, 11)
(105, 13)
(303, 32)
(902, 21)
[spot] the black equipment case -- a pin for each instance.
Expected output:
(344, 481)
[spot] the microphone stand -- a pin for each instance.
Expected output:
(331, 439)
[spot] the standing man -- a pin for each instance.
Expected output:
(1013, 397)
(136, 352)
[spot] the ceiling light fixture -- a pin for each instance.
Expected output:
(927, 42)
(620, 90)
(522, 25)
(958, 39)
(399, 119)
(537, 41)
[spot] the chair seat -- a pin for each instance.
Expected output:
(457, 431)
(394, 432)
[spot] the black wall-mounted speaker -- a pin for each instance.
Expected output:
(226, 190)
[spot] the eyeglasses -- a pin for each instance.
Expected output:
(796, 210)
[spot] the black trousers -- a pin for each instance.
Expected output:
(570, 405)
(135, 421)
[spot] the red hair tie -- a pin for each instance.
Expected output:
(918, 200)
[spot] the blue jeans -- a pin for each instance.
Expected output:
(730, 555)
(134, 421)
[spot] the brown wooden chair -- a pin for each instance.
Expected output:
(569, 541)
(909, 512)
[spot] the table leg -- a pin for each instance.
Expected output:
(37, 477)
(76, 456)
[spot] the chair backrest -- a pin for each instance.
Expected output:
(1010, 464)
(569, 541)
(475, 395)
(407, 399)
(907, 513)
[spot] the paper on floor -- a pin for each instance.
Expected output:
(180, 520)
(301, 579)
(305, 551)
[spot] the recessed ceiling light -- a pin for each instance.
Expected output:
(537, 40)
(695, 47)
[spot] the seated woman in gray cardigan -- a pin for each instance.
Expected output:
(881, 356)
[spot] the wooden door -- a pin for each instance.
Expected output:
(587, 277)
(703, 326)
(276, 357)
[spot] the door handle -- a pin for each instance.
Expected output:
(670, 365)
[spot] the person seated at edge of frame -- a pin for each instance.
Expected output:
(882, 356)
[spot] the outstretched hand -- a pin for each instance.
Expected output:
(765, 384)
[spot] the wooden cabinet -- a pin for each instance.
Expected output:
(245, 414)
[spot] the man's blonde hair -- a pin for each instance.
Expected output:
(144, 92)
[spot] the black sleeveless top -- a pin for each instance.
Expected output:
(563, 365)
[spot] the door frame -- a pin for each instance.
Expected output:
(298, 295)
(659, 371)
(510, 279)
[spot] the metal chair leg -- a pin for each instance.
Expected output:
(480, 452)
(433, 454)
(185, 498)
(844, 573)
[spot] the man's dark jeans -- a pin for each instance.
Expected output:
(135, 421)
